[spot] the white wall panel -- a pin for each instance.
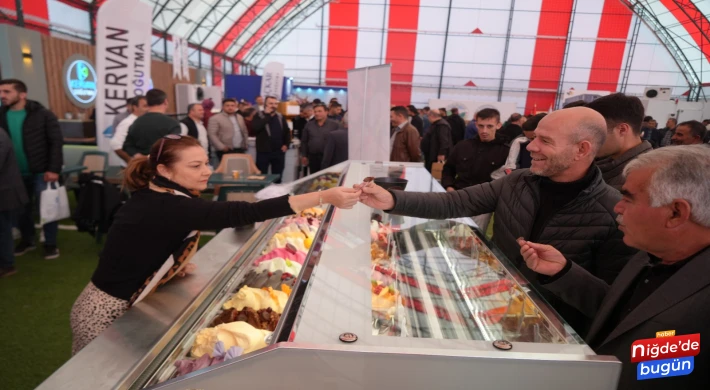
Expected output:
(300, 51)
(249, 30)
(430, 51)
(62, 15)
(372, 45)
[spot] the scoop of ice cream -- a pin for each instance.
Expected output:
(280, 240)
(234, 334)
(280, 264)
(284, 253)
(315, 212)
(257, 299)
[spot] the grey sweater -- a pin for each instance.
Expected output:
(314, 137)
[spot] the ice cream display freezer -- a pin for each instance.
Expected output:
(344, 299)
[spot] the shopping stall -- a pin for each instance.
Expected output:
(346, 299)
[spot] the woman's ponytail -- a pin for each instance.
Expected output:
(138, 174)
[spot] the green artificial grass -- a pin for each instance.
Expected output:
(35, 303)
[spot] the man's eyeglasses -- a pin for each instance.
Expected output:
(162, 143)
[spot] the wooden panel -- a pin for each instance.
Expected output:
(162, 75)
(57, 51)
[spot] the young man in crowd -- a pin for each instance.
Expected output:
(665, 214)
(415, 120)
(193, 127)
(404, 142)
(37, 141)
(299, 122)
(561, 200)
(513, 128)
(228, 130)
(458, 126)
(519, 156)
(139, 106)
(314, 137)
(272, 138)
(689, 133)
(120, 117)
(335, 111)
(623, 115)
(436, 144)
(336, 148)
(151, 126)
(12, 199)
(473, 161)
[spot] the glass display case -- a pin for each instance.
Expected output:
(353, 299)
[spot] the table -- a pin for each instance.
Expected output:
(227, 179)
(69, 169)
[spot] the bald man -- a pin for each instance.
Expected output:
(561, 200)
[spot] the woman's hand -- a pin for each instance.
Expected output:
(543, 259)
(341, 197)
(187, 270)
(375, 196)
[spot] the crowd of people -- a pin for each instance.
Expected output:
(606, 215)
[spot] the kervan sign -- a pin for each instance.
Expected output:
(123, 42)
(79, 80)
(272, 81)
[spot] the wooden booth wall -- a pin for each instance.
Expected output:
(58, 50)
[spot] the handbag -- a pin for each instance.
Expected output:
(53, 204)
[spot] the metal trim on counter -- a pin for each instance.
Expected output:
(348, 367)
(135, 339)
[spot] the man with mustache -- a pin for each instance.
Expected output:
(561, 200)
(665, 213)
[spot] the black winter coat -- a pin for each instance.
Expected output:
(472, 162)
(42, 138)
(260, 124)
(436, 142)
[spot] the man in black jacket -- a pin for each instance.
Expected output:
(12, 197)
(458, 126)
(336, 148)
(436, 144)
(514, 127)
(37, 141)
(273, 137)
(665, 213)
(473, 161)
(561, 200)
(151, 126)
(416, 121)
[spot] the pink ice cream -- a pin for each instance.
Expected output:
(298, 257)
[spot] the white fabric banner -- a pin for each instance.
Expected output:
(177, 57)
(272, 81)
(369, 96)
(469, 107)
(123, 43)
(184, 59)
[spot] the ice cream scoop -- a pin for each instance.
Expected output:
(280, 264)
(233, 334)
(284, 253)
(257, 299)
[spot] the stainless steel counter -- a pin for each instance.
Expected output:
(126, 346)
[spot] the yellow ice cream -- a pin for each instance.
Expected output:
(238, 334)
(257, 299)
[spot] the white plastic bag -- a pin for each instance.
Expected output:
(53, 204)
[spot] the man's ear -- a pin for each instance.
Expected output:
(680, 213)
(584, 149)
